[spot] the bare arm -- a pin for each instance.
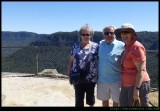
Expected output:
(141, 67)
(71, 59)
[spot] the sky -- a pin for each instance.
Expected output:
(51, 17)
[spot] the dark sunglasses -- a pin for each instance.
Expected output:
(85, 34)
(107, 33)
(125, 32)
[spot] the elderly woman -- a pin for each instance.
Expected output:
(135, 79)
(83, 61)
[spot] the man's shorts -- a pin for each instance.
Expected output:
(107, 91)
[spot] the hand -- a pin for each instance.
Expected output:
(136, 94)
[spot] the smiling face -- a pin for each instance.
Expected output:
(126, 36)
(85, 35)
(109, 35)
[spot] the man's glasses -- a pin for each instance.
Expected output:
(125, 32)
(107, 33)
(85, 34)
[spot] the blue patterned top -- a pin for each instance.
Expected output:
(87, 62)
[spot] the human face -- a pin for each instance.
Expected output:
(109, 35)
(85, 35)
(126, 36)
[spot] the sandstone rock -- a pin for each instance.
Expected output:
(51, 73)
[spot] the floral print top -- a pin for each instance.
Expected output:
(85, 62)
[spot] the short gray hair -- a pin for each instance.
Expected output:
(86, 26)
(111, 26)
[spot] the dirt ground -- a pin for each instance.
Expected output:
(38, 91)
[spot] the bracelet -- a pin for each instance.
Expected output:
(135, 87)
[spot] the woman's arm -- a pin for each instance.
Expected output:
(71, 59)
(141, 67)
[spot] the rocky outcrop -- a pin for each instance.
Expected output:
(45, 73)
(51, 73)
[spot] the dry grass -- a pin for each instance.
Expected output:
(154, 98)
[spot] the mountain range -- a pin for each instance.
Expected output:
(22, 38)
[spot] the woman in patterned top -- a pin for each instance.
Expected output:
(84, 56)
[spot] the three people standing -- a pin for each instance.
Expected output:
(122, 73)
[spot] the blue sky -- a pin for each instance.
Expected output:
(51, 17)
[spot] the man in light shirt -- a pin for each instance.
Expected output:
(109, 67)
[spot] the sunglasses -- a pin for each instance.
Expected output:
(107, 33)
(125, 32)
(85, 34)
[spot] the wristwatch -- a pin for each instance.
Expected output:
(135, 87)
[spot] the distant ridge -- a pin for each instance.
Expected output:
(24, 38)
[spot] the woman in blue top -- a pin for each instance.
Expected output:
(83, 60)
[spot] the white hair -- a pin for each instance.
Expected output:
(86, 26)
(110, 27)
